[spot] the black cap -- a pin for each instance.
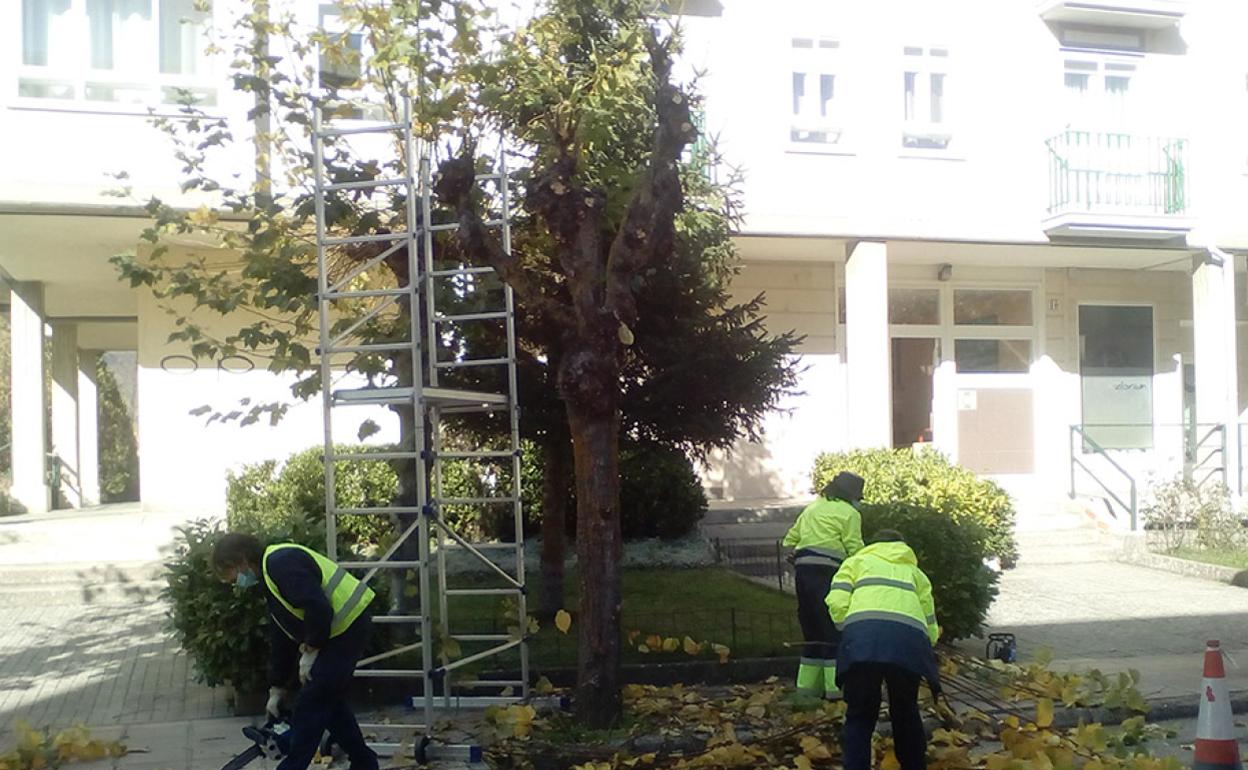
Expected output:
(847, 486)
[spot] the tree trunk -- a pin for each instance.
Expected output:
(554, 518)
(595, 444)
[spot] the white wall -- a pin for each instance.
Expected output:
(184, 459)
(780, 463)
(799, 296)
(1005, 99)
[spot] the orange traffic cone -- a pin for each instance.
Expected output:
(1216, 747)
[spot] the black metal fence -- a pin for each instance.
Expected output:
(759, 559)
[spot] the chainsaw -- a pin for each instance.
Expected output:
(271, 740)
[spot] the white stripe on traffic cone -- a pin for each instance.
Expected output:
(1216, 747)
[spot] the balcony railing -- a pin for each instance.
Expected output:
(1112, 173)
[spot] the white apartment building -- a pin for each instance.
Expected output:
(1010, 229)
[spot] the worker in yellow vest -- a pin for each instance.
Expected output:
(319, 615)
(882, 602)
(826, 533)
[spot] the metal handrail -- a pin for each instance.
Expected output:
(1131, 508)
(1119, 172)
(1218, 451)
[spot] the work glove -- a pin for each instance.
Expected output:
(276, 694)
(306, 658)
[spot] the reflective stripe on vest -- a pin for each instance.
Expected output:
(892, 617)
(348, 597)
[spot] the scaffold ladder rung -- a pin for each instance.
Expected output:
(392, 286)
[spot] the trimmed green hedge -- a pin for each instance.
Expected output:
(925, 478)
(289, 501)
(951, 553)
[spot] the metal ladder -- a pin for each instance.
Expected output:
(369, 284)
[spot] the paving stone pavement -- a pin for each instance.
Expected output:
(1069, 595)
(85, 643)
(110, 663)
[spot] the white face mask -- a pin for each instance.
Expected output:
(246, 579)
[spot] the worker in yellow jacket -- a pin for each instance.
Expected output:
(827, 532)
(882, 603)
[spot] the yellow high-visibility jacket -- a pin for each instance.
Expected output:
(883, 582)
(826, 533)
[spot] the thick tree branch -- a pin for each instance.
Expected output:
(648, 229)
(455, 185)
(573, 214)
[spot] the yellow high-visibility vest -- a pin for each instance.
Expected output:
(348, 597)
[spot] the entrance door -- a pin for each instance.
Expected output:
(914, 363)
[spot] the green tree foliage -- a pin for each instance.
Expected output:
(597, 131)
(118, 446)
(951, 553)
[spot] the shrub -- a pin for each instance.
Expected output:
(660, 494)
(118, 446)
(926, 478)
(469, 478)
(223, 629)
(289, 502)
(951, 553)
(1181, 513)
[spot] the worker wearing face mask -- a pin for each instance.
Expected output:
(319, 613)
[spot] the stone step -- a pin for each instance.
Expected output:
(1086, 536)
(746, 512)
(1069, 554)
(81, 584)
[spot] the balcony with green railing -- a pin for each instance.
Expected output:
(1118, 185)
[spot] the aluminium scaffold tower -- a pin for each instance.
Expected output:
(369, 290)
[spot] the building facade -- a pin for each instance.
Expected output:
(1011, 230)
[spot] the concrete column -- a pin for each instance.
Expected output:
(65, 411)
(1213, 332)
(867, 346)
(29, 407)
(88, 428)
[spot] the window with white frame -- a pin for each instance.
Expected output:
(1098, 92)
(139, 52)
(993, 330)
(925, 90)
(815, 117)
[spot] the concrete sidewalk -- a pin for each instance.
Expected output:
(83, 641)
(1070, 596)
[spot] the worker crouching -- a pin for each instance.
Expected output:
(320, 625)
(882, 603)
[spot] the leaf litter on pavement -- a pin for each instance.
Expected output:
(995, 716)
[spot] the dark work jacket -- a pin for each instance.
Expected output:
(883, 641)
(298, 578)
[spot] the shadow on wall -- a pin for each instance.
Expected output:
(750, 471)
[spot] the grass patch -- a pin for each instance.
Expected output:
(707, 604)
(1230, 557)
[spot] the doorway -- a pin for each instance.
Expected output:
(914, 364)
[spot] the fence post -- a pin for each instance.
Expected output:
(780, 565)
